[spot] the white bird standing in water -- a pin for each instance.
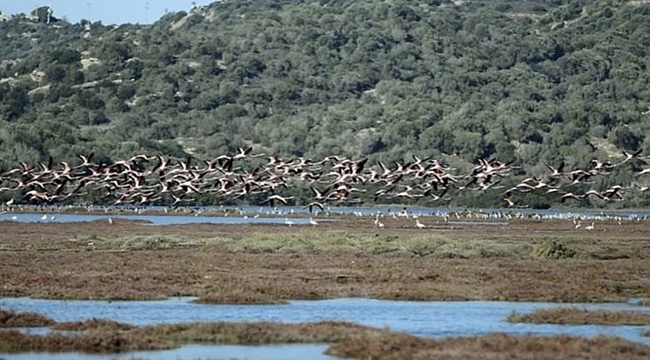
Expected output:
(313, 222)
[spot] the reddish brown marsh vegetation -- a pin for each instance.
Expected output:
(243, 294)
(347, 339)
(157, 337)
(490, 347)
(573, 315)
(91, 324)
(11, 319)
(523, 261)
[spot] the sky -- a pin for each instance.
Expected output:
(106, 11)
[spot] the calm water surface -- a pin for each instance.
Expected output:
(423, 211)
(212, 219)
(274, 215)
(149, 219)
(428, 319)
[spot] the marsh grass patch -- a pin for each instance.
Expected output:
(556, 249)
(249, 295)
(494, 347)
(150, 242)
(91, 324)
(443, 247)
(259, 292)
(303, 242)
(340, 241)
(129, 243)
(112, 339)
(13, 319)
(577, 316)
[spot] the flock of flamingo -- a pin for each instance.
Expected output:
(334, 180)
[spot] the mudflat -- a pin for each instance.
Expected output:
(520, 260)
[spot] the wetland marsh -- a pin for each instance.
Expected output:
(256, 270)
(526, 260)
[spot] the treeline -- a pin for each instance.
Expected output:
(530, 82)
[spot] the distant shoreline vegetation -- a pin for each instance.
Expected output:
(531, 83)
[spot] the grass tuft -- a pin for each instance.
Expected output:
(555, 249)
(576, 316)
(150, 242)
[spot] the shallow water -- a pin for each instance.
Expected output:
(441, 211)
(415, 210)
(149, 219)
(359, 210)
(428, 319)
(186, 219)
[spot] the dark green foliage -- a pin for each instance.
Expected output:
(532, 82)
(64, 57)
(627, 139)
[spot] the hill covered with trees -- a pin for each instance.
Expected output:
(531, 82)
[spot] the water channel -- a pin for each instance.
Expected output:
(427, 319)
